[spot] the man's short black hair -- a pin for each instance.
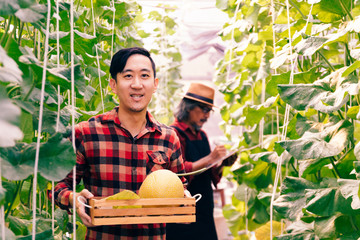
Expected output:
(120, 58)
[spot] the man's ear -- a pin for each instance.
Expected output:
(156, 83)
(112, 84)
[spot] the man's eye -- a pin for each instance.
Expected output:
(128, 76)
(145, 75)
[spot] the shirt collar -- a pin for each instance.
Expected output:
(112, 116)
(183, 126)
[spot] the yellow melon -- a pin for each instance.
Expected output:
(162, 183)
(125, 194)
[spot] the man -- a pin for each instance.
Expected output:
(116, 150)
(191, 114)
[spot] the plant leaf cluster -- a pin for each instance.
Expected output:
(296, 105)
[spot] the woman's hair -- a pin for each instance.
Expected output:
(120, 58)
(183, 109)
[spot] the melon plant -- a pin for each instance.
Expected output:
(290, 79)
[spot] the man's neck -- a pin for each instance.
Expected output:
(193, 127)
(134, 122)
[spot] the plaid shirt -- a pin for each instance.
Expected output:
(110, 160)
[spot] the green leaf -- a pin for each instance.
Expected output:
(62, 218)
(357, 151)
(315, 145)
(353, 112)
(32, 14)
(292, 199)
(269, 157)
(330, 199)
(2, 195)
(45, 235)
(56, 159)
(260, 176)
(9, 235)
(255, 113)
(332, 6)
(321, 95)
(350, 188)
(284, 78)
(234, 219)
(9, 133)
(19, 226)
(9, 70)
(26, 126)
(344, 226)
(8, 7)
(310, 45)
(325, 227)
(351, 68)
(298, 126)
(311, 166)
(83, 43)
(298, 230)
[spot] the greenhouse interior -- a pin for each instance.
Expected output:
(180, 119)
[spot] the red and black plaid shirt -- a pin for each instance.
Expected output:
(110, 160)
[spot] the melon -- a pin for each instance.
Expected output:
(125, 194)
(162, 183)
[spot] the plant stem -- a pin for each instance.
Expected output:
(299, 64)
(20, 33)
(297, 8)
(340, 115)
(347, 12)
(12, 89)
(332, 159)
(6, 31)
(328, 63)
(353, 224)
(30, 191)
(296, 171)
(346, 153)
(8, 41)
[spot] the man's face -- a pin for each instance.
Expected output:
(199, 115)
(135, 84)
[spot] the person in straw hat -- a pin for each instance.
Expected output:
(190, 116)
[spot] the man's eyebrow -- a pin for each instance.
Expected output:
(130, 70)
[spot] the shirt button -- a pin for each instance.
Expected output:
(134, 170)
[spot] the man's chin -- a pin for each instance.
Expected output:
(197, 127)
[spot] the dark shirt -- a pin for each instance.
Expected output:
(215, 175)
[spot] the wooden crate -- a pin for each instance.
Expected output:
(153, 210)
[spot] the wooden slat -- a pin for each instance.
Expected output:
(143, 211)
(144, 202)
(144, 220)
(153, 210)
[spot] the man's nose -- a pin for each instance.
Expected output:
(136, 82)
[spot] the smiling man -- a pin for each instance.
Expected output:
(191, 114)
(116, 150)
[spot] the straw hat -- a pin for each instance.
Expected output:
(201, 93)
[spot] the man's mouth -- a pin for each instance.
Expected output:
(136, 96)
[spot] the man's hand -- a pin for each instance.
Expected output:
(80, 207)
(218, 152)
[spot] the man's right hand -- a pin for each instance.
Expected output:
(80, 207)
(218, 152)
